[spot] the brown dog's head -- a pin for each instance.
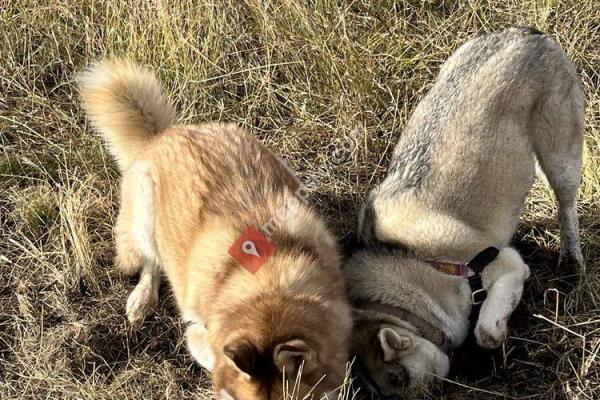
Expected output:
(280, 346)
(394, 360)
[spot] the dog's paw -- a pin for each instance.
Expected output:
(140, 303)
(199, 347)
(570, 263)
(491, 334)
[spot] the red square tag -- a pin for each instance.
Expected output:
(252, 249)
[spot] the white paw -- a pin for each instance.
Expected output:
(490, 334)
(140, 304)
(199, 347)
(205, 357)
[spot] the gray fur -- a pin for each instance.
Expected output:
(460, 173)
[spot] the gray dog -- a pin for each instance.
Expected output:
(437, 229)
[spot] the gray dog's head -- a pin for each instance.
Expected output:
(394, 352)
(393, 360)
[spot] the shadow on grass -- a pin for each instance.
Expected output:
(112, 348)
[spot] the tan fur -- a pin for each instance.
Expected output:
(187, 195)
(124, 102)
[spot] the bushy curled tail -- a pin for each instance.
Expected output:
(125, 103)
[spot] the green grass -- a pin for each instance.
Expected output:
(301, 78)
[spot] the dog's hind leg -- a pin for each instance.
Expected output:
(558, 144)
(144, 297)
(135, 242)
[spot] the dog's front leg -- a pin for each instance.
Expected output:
(199, 346)
(503, 279)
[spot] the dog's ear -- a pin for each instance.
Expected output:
(243, 355)
(393, 344)
(293, 355)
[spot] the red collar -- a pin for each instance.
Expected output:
(451, 268)
(471, 271)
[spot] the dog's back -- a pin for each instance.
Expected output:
(468, 149)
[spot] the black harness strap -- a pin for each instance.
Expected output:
(478, 292)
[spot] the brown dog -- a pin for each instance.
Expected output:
(189, 193)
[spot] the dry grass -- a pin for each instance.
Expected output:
(301, 78)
